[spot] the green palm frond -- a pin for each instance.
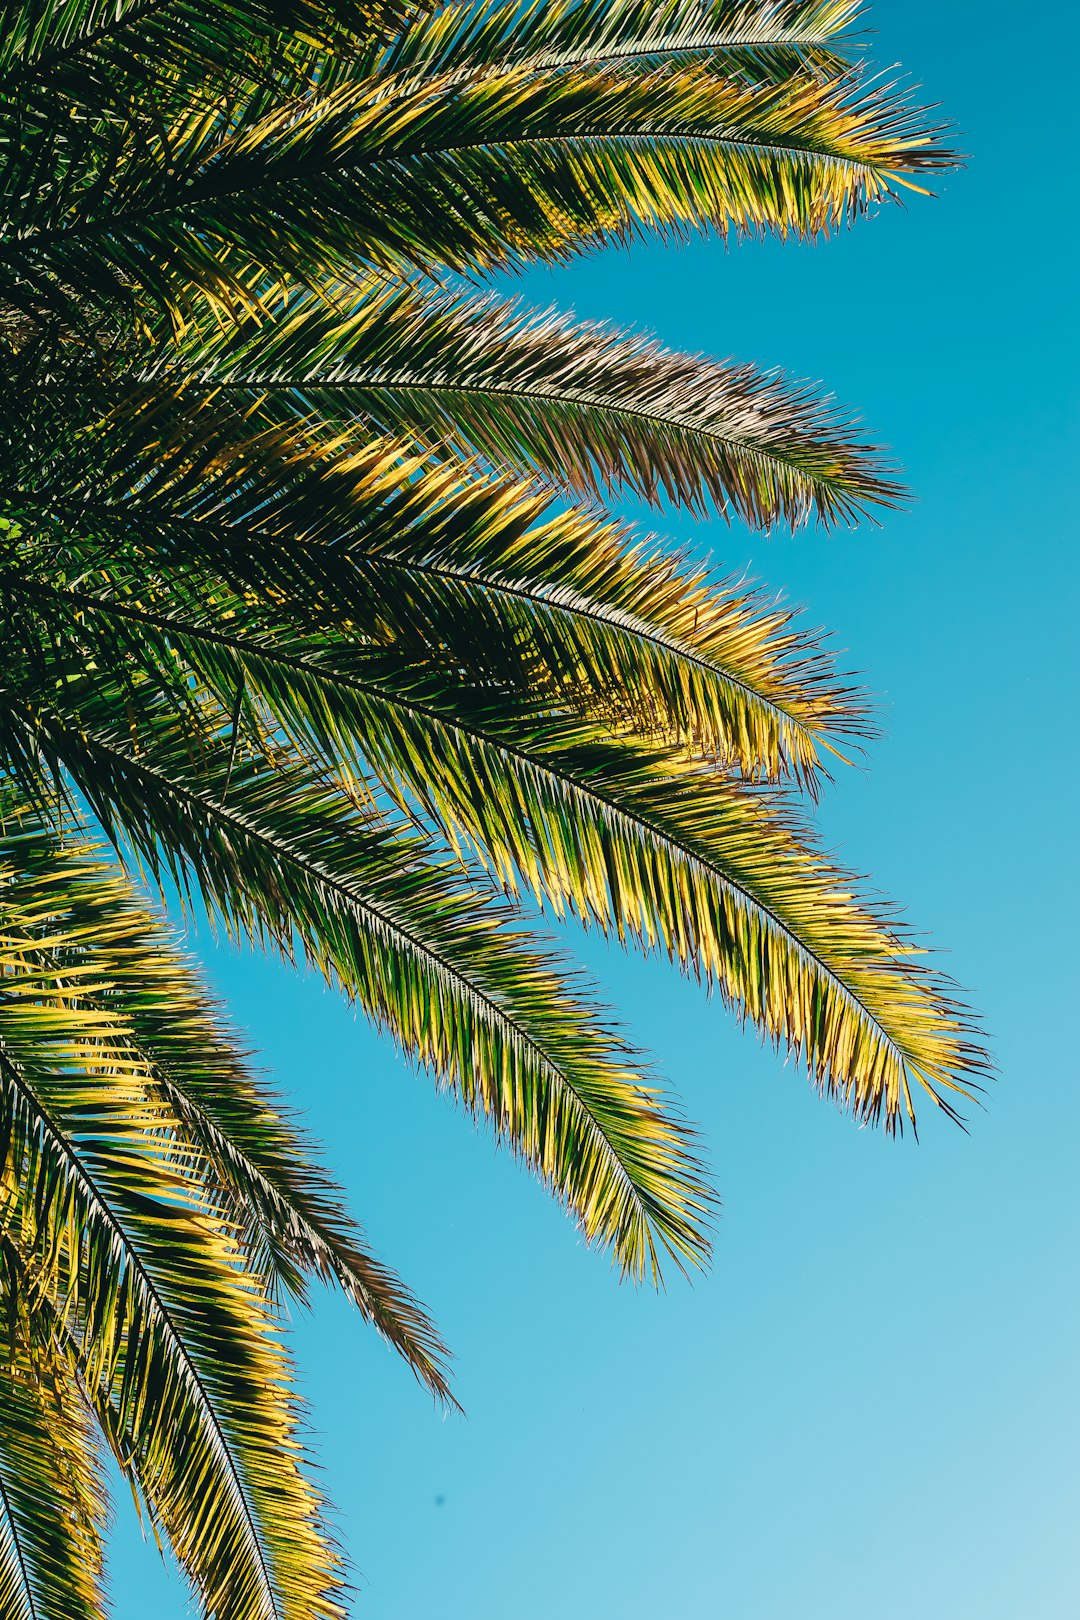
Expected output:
(53, 1494)
(594, 410)
(478, 574)
(164, 1325)
(499, 167)
(643, 842)
(112, 1218)
(752, 39)
(664, 853)
(300, 615)
(286, 1212)
(68, 45)
(427, 953)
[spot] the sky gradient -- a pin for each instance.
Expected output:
(868, 1408)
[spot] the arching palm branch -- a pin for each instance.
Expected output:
(314, 609)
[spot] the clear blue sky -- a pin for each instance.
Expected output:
(869, 1408)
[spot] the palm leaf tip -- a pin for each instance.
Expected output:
(659, 1201)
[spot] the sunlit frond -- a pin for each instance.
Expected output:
(285, 1210)
(112, 1225)
(752, 39)
(479, 574)
(595, 410)
(312, 610)
(493, 169)
(53, 1494)
(646, 843)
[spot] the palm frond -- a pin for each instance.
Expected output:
(664, 853)
(480, 575)
(114, 1229)
(171, 1333)
(426, 953)
(53, 1494)
(644, 842)
(72, 45)
(287, 1213)
(596, 411)
(756, 40)
(433, 958)
(297, 616)
(501, 168)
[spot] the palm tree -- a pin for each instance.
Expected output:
(314, 611)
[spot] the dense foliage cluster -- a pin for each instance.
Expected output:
(313, 608)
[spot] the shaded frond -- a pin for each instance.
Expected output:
(73, 46)
(499, 168)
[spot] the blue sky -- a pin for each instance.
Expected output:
(869, 1406)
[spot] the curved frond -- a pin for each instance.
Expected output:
(427, 952)
(647, 843)
(756, 40)
(478, 574)
(665, 853)
(113, 1227)
(287, 1213)
(53, 1494)
(500, 168)
(594, 410)
(644, 842)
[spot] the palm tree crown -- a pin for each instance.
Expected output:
(315, 609)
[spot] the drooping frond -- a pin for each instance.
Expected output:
(285, 1210)
(108, 1214)
(663, 852)
(594, 410)
(53, 1495)
(537, 790)
(428, 954)
(646, 843)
